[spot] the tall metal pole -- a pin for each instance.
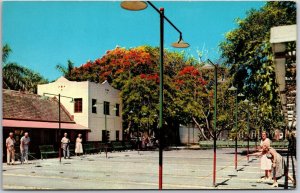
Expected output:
(236, 127)
(215, 127)
(59, 129)
(138, 138)
(256, 129)
(188, 143)
(248, 127)
(106, 135)
(161, 85)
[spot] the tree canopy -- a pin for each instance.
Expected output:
(248, 53)
(17, 77)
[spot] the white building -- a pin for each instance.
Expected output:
(93, 104)
(188, 134)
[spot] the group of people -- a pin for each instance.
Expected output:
(24, 147)
(271, 161)
(65, 145)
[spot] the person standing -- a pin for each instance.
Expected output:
(78, 146)
(10, 146)
(24, 147)
(65, 143)
(266, 163)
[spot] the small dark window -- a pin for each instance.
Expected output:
(106, 108)
(94, 106)
(78, 105)
(117, 109)
(117, 135)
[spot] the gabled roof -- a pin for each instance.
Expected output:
(24, 106)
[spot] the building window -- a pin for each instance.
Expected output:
(106, 108)
(117, 135)
(78, 105)
(117, 109)
(94, 106)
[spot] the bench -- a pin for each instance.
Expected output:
(46, 150)
(128, 145)
(117, 146)
(89, 148)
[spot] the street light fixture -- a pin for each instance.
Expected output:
(59, 118)
(232, 88)
(256, 131)
(246, 101)
(141, 5)
(209, 66)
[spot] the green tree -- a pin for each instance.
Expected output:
(66, 70)
(248, 53)
(17, 77)
(6, 50)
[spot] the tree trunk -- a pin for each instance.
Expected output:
(200, 128)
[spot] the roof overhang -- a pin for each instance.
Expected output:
(41, 125)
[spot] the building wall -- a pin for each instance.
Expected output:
(104, 92)
(88, 91)
(188, 135)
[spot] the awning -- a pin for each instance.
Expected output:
(41, 125)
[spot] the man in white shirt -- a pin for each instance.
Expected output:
(10, 147)
(65, 142)
(24, 147)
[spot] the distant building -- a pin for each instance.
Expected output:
(94, 104)
(39, 116)
(188, 134)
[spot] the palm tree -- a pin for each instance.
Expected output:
(13, 74)
(5, 52)
(66, 71)
(17, 77)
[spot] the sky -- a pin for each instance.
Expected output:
(44, 34)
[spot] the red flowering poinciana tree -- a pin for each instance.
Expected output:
(135, 72)
(119, 63)
(195, 99)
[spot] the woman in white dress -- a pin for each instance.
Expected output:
(78, 146)
(265, 163)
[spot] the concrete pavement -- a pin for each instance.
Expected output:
(182, 169)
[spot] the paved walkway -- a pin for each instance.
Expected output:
(183, 169)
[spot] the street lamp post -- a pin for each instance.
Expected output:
(140, 5)
(59, 118)
(248, 128)
(232, 88)
(213, 66)
(255, 108)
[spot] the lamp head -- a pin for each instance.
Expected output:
(232, 88)
(241, 95)
(208, 66)
(246, 101)
(134, 5)
(180, 44)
